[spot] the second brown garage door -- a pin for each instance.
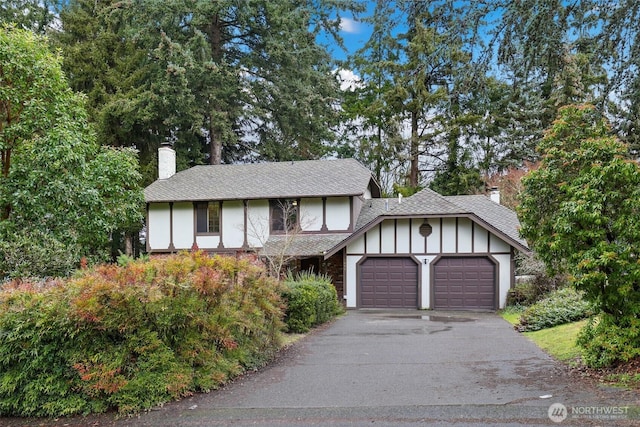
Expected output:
(388, 283)
(464, 283)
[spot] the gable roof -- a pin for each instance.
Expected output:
(494, 214)
(308, 178)
(427, 203)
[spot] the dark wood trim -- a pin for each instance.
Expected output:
(245, 204)
(395, 236)
(148, 247)
(220, 225)
(351, 215)
(172, 247)
(324, 227)
(473, 237)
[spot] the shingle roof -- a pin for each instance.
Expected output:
(495, 214)
(429, 203)
(309, 178)
(301, 244)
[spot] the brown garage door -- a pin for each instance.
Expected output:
(388, 283)
(464, 283)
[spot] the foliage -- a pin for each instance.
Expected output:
(34, 253)
(540, 283)
(134, 337)
(34, 15)
(562, 306)
(580, 210)
(311, 300)
(509, 183)
(222, 80)
(418, 74)
(55, 178)
(607, 341)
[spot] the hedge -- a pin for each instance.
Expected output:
(311, 300)
(130, 338)
(562, 306)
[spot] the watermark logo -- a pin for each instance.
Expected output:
(557, 412)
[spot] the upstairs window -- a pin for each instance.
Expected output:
(208, 218)
(284, 215)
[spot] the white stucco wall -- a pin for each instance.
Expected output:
(311, 212)
(338, 213)
(232, 224)
(257, 223)
(504, 277)
(183, 225)
(158, 226)
(388, 237)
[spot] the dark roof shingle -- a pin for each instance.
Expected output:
(309, 178)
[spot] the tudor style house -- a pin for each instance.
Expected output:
(425, 251)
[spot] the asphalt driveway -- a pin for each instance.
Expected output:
(405, 368)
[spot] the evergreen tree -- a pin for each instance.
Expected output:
(424, 76)
(34, 15)
(546, 48)
(223, 81)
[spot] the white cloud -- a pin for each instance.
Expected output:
(348, 80)
(349, 26)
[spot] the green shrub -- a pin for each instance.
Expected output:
(35, 253)
(134, 337)
(606, 341)
(562, 306)
(311, 300)
(539, 285)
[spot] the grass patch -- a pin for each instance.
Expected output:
(291, 338)
(512, 314)
(559, 341)
(626, 380)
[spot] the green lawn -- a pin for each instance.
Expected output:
(559, 341)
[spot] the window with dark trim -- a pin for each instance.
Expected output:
(208, 217)
(284, 215)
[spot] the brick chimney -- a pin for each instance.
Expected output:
(166, 161)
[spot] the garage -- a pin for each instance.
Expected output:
(388, 283)
(464, 283)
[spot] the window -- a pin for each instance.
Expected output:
(208, 217)
(284, 215)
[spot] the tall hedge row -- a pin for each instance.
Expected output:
(133, 337)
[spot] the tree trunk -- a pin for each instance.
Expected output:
(414, 150)
(215, 143)
(214, 31)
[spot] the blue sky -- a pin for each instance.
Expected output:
(355, 35)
